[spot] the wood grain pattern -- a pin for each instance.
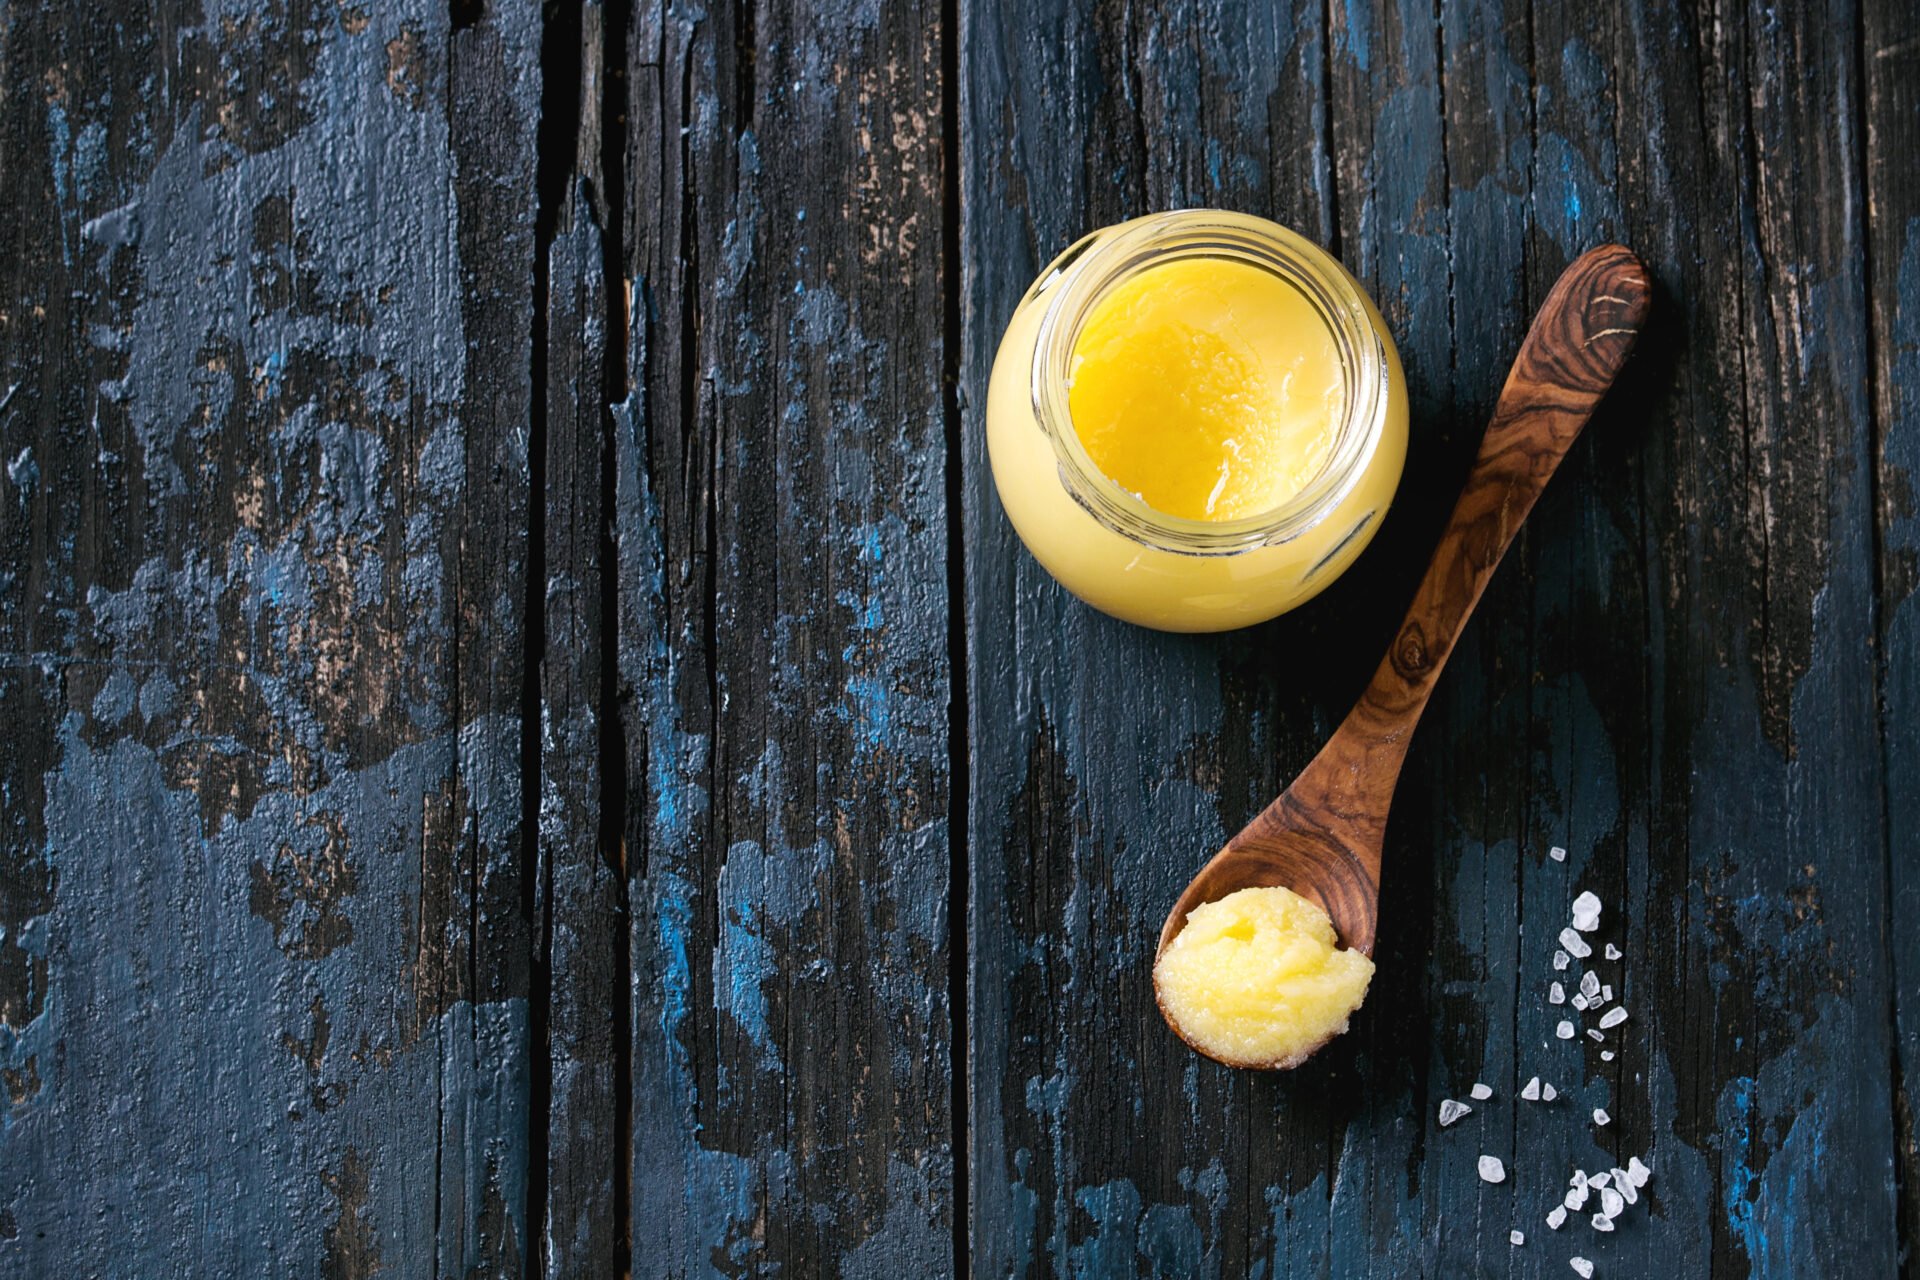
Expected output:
(1107, 761)
(1323, 836)
(782, 530)
(505, 632)
(1475, 155)
(264, 1004)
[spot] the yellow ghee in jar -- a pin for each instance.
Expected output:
(1196, 420)
(1256, 979)
(1208, 387)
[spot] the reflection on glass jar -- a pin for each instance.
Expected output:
(1196, 420)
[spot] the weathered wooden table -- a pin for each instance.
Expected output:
(528, 745)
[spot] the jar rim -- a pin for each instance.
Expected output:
(1105, 259)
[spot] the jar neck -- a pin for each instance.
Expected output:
(1105, 261)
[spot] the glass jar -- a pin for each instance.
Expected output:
(1106, 544)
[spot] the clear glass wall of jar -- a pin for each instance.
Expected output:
(1107, 545)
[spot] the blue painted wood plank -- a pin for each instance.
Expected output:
(1107, 761)
(1744, 759)
(1890, 94)
(579, 970)
(1641, 686)
(266, 292)
(783, 626)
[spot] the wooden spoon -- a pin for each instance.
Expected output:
(1322, 838)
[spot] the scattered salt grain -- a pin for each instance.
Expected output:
(1491, 1170)
(1481, 1092)
(1586, 907)
(1601, 1222)
(1576, 1199)
(1600, 1116)
(1614, 1016)
(1557, 854)
(1560, 961)
(1600, 1179)
(1547, 1094)
(1589, 984)
(1517, 1237)
(1606, 991)
(1556, 994)
(1606, 1055)
(1579, 1002)
(1532, 1092)
(1451, 1111)
(1611, 1203)
(1564, 1030)
(1623, 1183)
(1613, 952)
(1579, 1178)
(1556, 1216)
(1599, 998)
(1594, 1035)
(1582, 1266)
(1575, 944)
(1638, 1173)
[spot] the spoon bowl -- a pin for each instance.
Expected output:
(1323, 837)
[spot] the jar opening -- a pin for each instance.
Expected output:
(1138, 246)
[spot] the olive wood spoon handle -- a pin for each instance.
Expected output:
(1323, 837)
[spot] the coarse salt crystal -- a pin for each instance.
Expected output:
(1600, 1179)
(1601, 1222)
(1481, 1092)
(1491, 1170)
(1582, 1266)
(1564, 1030)
(1586, 904)
(1576, 1198)
(1560, 960)
(1532, 1092)
(1557, 854)
(1579, 1002)
(1579, 1178)
(1614, 1016)
(1517, 1237)
(1594, 1035)
(1451, 1111)
(1606, 991)
(1624, 1185)
(1598, 998)
(1556, 1216)
(1575, 944)
(1547, 1094)
(1638, 1173)
(1600, 1116)
(1606, 1055)
(1611, 1203)
(1556, 994)
(1613, 952)
(1589, 984)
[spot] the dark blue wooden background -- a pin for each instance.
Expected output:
(527, 745)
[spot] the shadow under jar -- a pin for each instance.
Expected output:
(1198, 566)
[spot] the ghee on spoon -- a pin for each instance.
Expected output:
(1261, 983)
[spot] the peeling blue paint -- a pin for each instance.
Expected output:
(1356, 34)
(115, 699)
(1736, 1119)
(1109, 1251)
(24, 472)
(745, 959)
(60, 145)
